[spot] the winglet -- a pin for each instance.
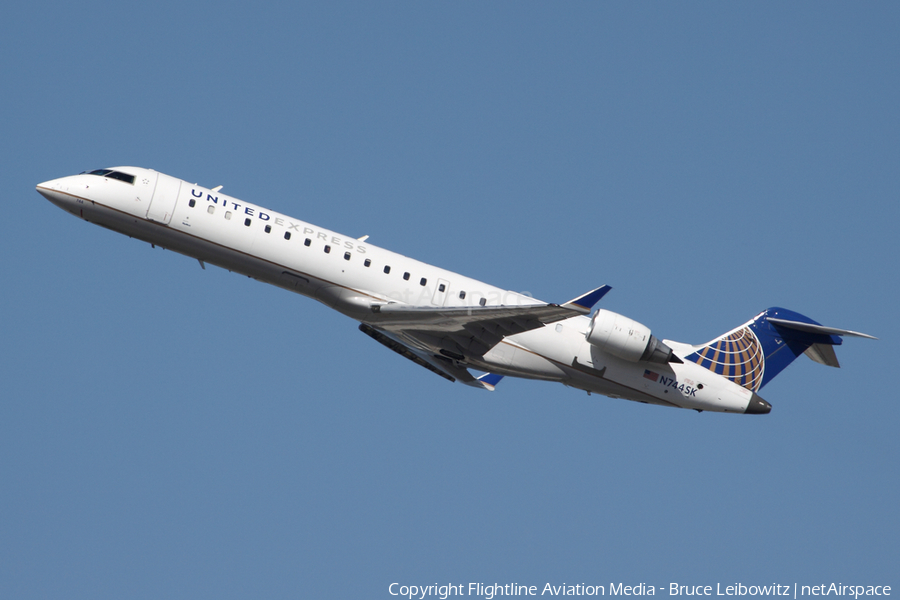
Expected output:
(489, 381)
(585, 303)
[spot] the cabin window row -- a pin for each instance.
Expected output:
(347, 255)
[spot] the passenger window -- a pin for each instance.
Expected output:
(287, 235)
(247, 222)
(210, 209)
(387, 269)
(406, 276)
(462, 295)
(307, 242)
(268, 229)
(423, 281)
(442, 288)
(192, 203)
(368, 262)
(483, 301)
(346, 256)
(228, 215)
(327, 249)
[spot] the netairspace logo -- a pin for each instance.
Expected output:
(489, 591)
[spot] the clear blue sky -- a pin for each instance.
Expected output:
(169, 432)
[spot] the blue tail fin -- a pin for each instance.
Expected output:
(754, 353)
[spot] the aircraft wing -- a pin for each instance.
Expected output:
(439, 365)
(461, 332)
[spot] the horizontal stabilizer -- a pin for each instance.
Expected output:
(585, 303)
(810, 328)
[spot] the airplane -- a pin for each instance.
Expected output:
(445, 322)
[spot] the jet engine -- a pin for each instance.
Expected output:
(627, 339)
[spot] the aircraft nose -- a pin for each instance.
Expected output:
(757, 406)
(48, 187)
(55, 191)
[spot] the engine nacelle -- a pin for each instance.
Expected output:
(626, 338)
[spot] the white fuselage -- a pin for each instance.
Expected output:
(350, 276)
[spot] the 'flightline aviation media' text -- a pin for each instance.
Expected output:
(490, 591)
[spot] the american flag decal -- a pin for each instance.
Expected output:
(651, 375)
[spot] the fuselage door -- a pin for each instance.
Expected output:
(164, 197)
(442, 288)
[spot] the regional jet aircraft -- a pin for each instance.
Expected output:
(443, 321)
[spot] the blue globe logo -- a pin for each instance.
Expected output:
(736, 356)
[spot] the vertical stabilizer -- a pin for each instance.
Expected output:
(754, 353)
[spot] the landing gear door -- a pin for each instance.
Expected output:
(164, 197)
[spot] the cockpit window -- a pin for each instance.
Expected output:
(121, 176)
(114, 175)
